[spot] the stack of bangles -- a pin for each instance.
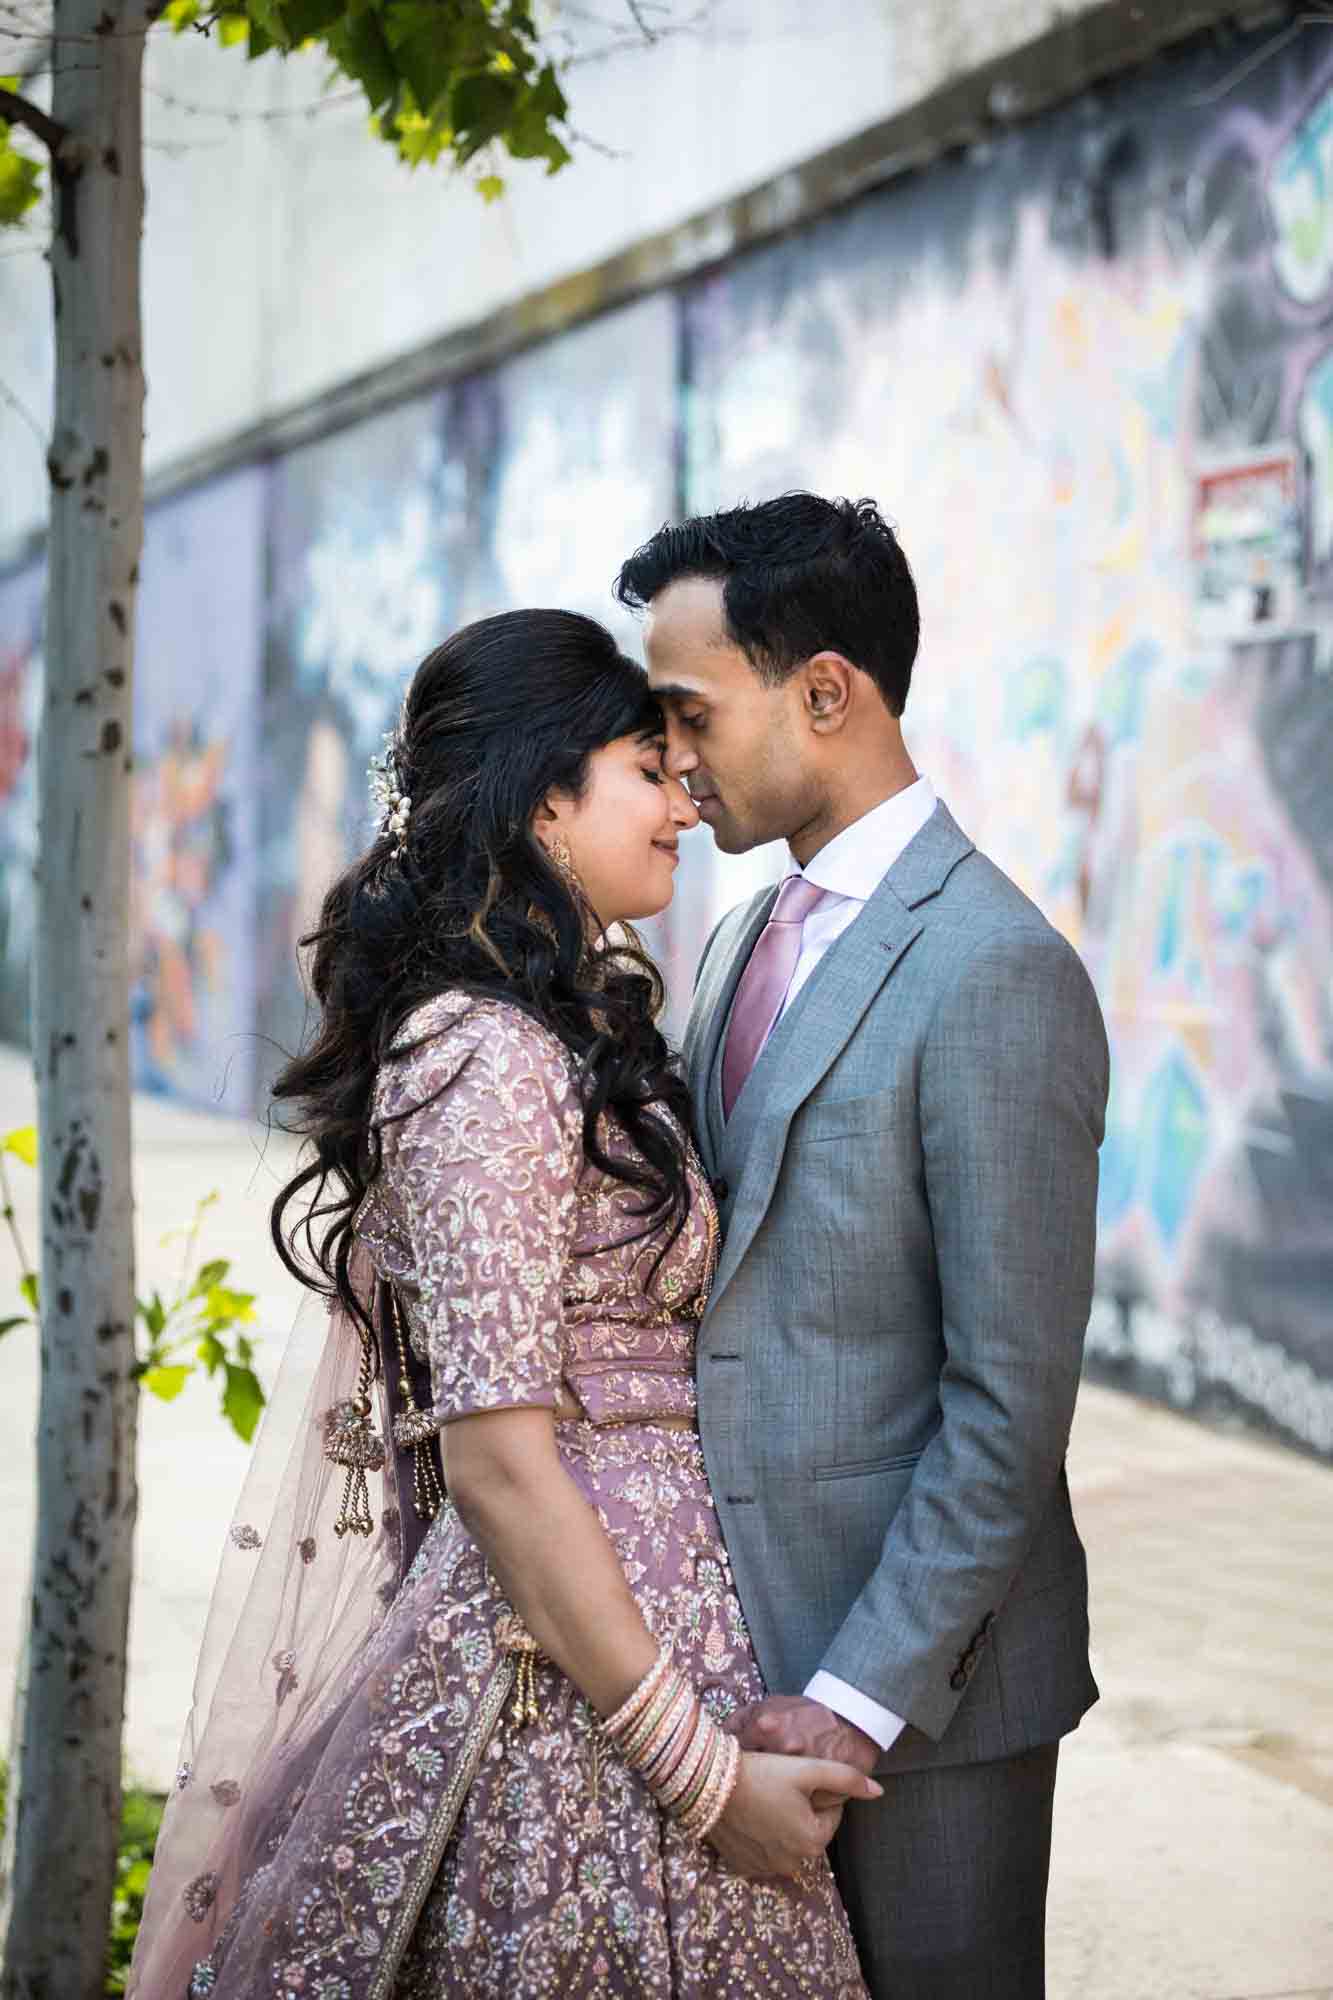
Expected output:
(665, 1734)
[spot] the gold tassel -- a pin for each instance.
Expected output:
(415, 1430)
(350, 1439)
(514, 1637)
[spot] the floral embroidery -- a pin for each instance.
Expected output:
(561, 1877)
(226, 1791)
(246, 1537)
(484, 1199)
(307, 1549)
(199, 1896)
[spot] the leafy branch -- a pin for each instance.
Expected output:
(455, 80)
(20, 175)
(198, 1327)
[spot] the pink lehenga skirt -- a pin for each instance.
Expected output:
(557, 1874)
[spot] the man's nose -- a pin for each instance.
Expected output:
(681, 756)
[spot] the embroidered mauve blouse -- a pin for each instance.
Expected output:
(507, 1245)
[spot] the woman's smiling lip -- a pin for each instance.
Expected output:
(668, 847)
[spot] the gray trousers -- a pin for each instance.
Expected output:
(944, 1880)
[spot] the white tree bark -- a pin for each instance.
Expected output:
(68, 1789)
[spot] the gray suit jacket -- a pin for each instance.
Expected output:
(889, 1360)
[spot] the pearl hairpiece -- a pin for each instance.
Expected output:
(386, 791)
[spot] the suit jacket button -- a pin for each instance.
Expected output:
(721, 1189)
(958, 1680)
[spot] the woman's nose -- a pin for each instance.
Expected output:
(684, 812)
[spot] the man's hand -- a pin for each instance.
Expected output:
(795, 1727)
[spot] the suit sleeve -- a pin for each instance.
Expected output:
(1013, 1087)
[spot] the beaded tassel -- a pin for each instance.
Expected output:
(415, 1430)
(350, 1440)
(515, 1637)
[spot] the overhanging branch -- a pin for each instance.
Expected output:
(18, 111)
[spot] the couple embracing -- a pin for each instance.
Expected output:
(724, 1609)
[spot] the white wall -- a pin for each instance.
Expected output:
(285, 253)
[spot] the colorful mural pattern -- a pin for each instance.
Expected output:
(1031, 384)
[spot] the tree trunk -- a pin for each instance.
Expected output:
(68, 1791)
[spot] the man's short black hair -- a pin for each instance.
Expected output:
(799, 575)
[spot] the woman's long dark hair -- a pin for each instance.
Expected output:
(504, 712)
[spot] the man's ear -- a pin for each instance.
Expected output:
(826, 695)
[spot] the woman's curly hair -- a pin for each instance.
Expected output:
(504, 712)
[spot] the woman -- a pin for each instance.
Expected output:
(503, 1773)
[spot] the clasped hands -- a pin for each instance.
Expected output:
(791, 1793)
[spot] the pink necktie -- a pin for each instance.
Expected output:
(764, 983)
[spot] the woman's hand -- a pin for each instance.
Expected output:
(772, 1825)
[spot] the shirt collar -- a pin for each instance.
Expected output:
(855, 861)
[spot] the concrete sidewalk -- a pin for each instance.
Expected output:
(1194, 1827)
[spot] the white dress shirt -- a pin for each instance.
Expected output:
(849, 870)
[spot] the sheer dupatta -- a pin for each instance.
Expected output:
(292, 1612)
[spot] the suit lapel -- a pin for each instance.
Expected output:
(818, 1025)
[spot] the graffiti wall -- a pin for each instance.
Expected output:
(523, 485)
(193, 842)
(1089, 370)
(195, 845)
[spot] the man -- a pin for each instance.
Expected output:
(899, 1073)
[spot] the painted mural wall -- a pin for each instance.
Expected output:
(1089, 370)
(194, 848)
(523, 485)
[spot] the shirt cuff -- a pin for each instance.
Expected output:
(880, 1724)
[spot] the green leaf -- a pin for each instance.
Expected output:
(530, 136)
(208, 1275)
(480, 109)
(212, 1353)
(28, 1287)
(8, 1325)
(153, 1314)
(420, 139)
(428, 49)
(358, 47)
(308, 18)
(233, 29)
(242, 1400)
(182, 14)
(245, 1349)
(490, 187)
(167, 1383)
(269, 18)
(223, 1307)
(22, 1143)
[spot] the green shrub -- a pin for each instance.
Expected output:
(140, 1818)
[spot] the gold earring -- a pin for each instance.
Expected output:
(563, 859)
